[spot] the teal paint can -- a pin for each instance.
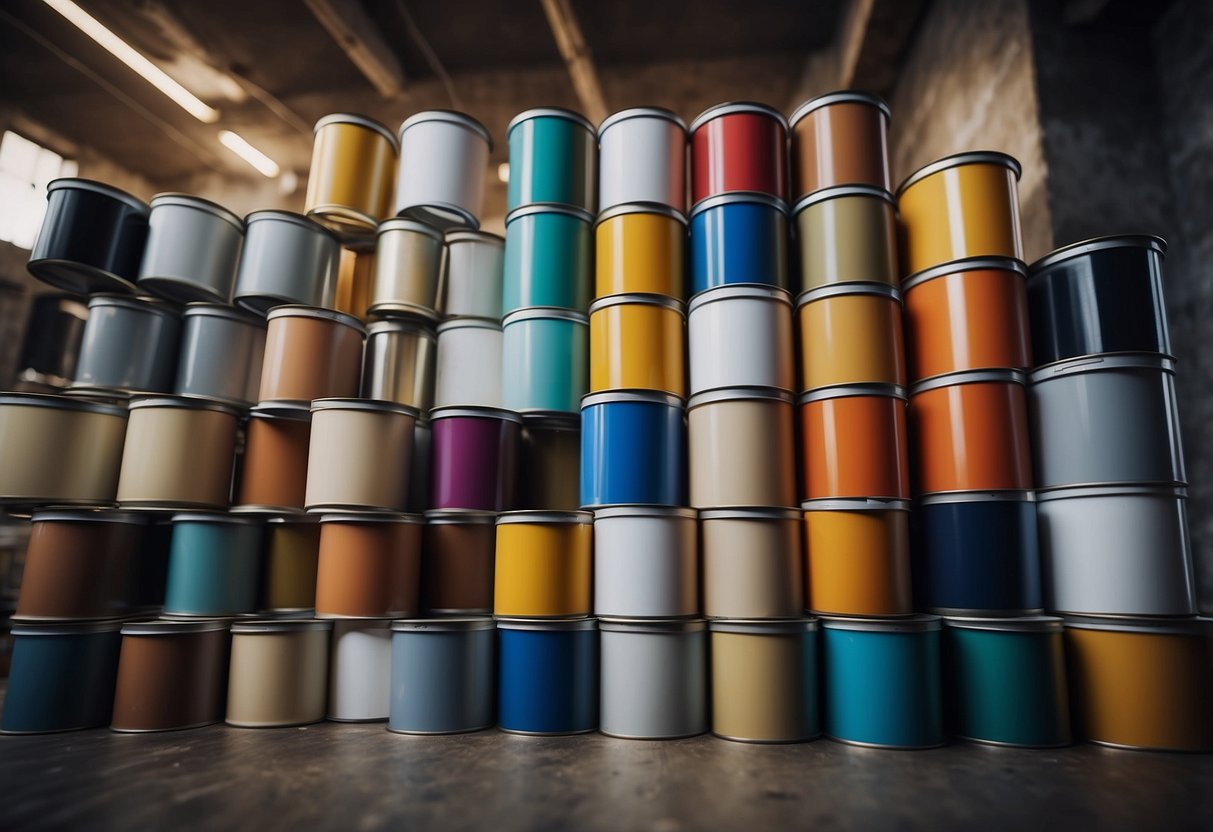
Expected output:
(545, 360)
(882, 681)
(1006, 681)
(214, 565)
(553, 158)
(548, 258)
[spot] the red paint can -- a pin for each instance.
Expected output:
(739, 146)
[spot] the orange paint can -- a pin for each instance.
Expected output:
(850, 333)
(853, 443)
(857, 558)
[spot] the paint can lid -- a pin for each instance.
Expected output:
(942, 497)
(652, 625)
(451, 116)
(763, 626)
(222, 517)
(62, 402)
(964, 265)
(549, 208)
(892, 391)
(373, 405)
(729, 108)
(732, 291)
(139, 303)
(1001, 376)
(361, 121)
(544, 313)
(640, 112)
(635, 396)
(974, 157)
(279, 625)
(569, 517)
(406, 224)
(659, 208)
(1085, 247)
(840, 191)
(1186, 625)
(468, 323)
(549, 112)
(411, 326)
(547, 624)
(370, 517)
(443, 625)
(183, 402)
(739, 198)
(1169, 491)
(1021, 624)
(474, 411)
(175, 626)
(731, 394)
(220, 310)
(1105, 361)
(639, 298)
(299, 310)
(460, 516)
(908, 624)
(831, 290)
(839, 97)
(79, 184)
(644, 510)
(290, 217)
(470, 235)
(854, 504)
(35, 627)
(85, 515)
(198, 203)
(749, 514)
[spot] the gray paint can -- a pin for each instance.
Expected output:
(222, 350)
(129, 344)
(287, 258)
(646, 562)
(193, 246)
(442, 675)
(1103, 419)
(472, 275)
(654, 678)
(1116, 550)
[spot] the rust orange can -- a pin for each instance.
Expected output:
(840, 138)
(857, 557)
(853, 443)
(850, 333)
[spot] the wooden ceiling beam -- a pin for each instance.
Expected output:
(358, 36)
(569, 40)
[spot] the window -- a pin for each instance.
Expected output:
(25, 170)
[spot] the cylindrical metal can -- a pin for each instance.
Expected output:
(193, 246)
(442, 675)
(633, 449)
(359, 455)
(369, 566)
(752, 563)
(764, 680)
(310, 354)
(739, 146)
(553, 158)
(222, 351)
(740, 336)
(547, 678)
(360, 671)
(471, 282)
(840, 138)
(457, 561)
(740, 448)
(50, 347)
(399, 364)
(355, 276)
(640, 247)
(638, 342)
(273, 478)
(408, 262)
(349, 184)
(286, 259)
(130, 344)
(646, 562)
(882, 681)
(858, 558)
(443, 157)
(544, 564)
(970, 432)
(1006, 680)
(642, 157)
(966, 205)
(291, 553)
(853, 443)
(739, 238)
(475, 461)
(468, 363)
(214, 565)
(654, 678)
(850, 333)
(544, 360)
(278, 674)
(549, 255)
(847, 235)
(549, 462)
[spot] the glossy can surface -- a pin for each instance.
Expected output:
(61, 677)
(853, 443)
(840, 139)
(468, 363)
(883, 682)
(355, 276)
(654, 679)
(408, 261)
(544, 360)
(640, 247)
(475, 461)
(443, 157)
(547, 676)
(739, 146)
(549, 462)
(171, 675)
(642, 157)
(646, 562)
(310, 354)
(740, 336)
(221, 354)
(274, 475)
(278, 674)
(633, 449)
(129, 344)
(548, 258)
(360, 666)
(543, 564)
(847, 235)
(553, 158)
(399, 365)
(638, 342)
(740, 448)
(442, 676)
(764, 680)
(472, 275)
(193, 246)
(349, 185)
(858, 558)
(359, 455)
(739, 238)
(369, 566)
(214, 566)
(850, 334)
(292, 549)
(286, 259)
(457, 561)
(752, 563)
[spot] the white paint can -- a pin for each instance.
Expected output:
(740, 336)
(360, 670)
(646, 562)
(469, 363)
(443, 157)
(642, 157)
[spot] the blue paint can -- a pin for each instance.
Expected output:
(882, 681)
(61, 677)
(976, 553)
(548, 258)
(633, 449)
(442, 678)
(739, 238)
(214, 565)
(545, 360)
(547, 676)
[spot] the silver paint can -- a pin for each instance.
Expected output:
(653, 678)
(360, 664)
(399, 363)
(287, 258)
(129, 344)
(193, 247)
(222, 350)
(472, 275)
(469, 363)
(408, 261)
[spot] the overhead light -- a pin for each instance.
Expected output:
(503, 172)
(264, 164)
(126, 53)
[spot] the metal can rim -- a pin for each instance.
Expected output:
(579, 518)
(550, 112)
(644, 510)
(553, 624)
(617, 624)
(1000, 376)
(739, 393)
(764, 626)
(1083, 364)
(839, 97)
(955, 160)
(544, 313)
(732, 291)
(373, 405)
(280, 625)
(738, 198)
(639, 299)
(826, 194)
(842, 391)
(183, 402)
(291, 217)
(449, 116)
(549, 208)
(654, 208)
(662, 113)
(831, 290)
(80, 183)
(60, 402)
(727, 108)
(919, 623)
(183, 200)
(454, 623)
(1084, 247)
(965, 264)
(636, 395)
(205, 309)
(361, 121)
(409, 224)
(744, 513)
(302, 310)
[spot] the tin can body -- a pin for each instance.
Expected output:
(458, 556)
(221, 355)
(739, 238)
(633, 449)
(752, 563)
(638, 342)
(400, 364)
(192, 249)
(654, 679)
(858, 558)
(544, 564)
(472, 276)
(850, 334)
(61, 678)
(475, 461)
(292, 549)
(853, 444)
(545, 360)
(549, 463)
(739, 147)
(214, 565)
(358, 455)
(408, 261)
(764, 680)
(442, 676)
(369, 566)
(286, 259)
(740, 336)
(547, 676)
(646, 562)
(548, 258)
(642, 157)
(349, 187)
(171, 675)
(310, 354)
(840, 139)
(468, 363)
(360, 665)
(355, 276)
(274, 476)
(278, 674)
(553, 158)
(129, 344)
(640, 247)
(847, 235)
(443, 157)
(740, 448)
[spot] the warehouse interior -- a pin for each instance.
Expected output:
(1107, 104)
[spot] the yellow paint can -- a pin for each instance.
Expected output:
(349, 186)
(637, 342)
(640, 248)
(543, 564)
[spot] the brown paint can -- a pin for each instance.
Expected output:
(292, 550)
(274, 473)
(458, 558)
(550, 463)
(310, 353)
(840, 139)
(369, 566)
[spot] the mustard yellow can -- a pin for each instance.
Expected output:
(857, 558)
(850, 333)
(637, 342)
(292, 553)
(349, 186)
(543, 564)
(965, 205)
(640, 248)
(355, 274)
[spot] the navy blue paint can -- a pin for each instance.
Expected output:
(547, 676)
(633, 449)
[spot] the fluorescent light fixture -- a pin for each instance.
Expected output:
(264, 164)
(503, 172)
(124, 52)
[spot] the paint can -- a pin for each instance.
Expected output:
(764, 680)
(740, 336)
(883, 681)
(360, 671)
(840, 138)
(547, 676)
(654, 678)
(1006, 681)
(408, 261)
(549, 462)
(1099, 296)
(442, 676)
(355, 274)
(633, 449)
(369, 566)
(468, 363)
(278, 674)
(1142, 683)
(400, 362)
(54, 328)
(553, 158)
(642, 157)
(970, 432)
(420, 467)
(443, 157)
(638, 342)
(739, 146)
(847, 235)
(646, 562)
(640, 247)
(61, 677)
(739, 238)
(287, 259)
(1105, 419)
(40, 467)
(858, 558)
(309, 354)
(92, 238)
(850, 333)
(458, 550)
(740, 448)
(549, 254)
(472, 275)
(1116, 550)
(976, 554)
(171, 675)
(214, 566)
(475, 462)
(349, 184)
(752, 563)
(853, 443)
(273, 478)
(222, 351)
(193, 246)
(544, 360)
(967, 315)
(291, 552)
(358, 455)
(544, 564)
(965, 205)
(130, 344)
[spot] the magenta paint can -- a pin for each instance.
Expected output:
(474, 459)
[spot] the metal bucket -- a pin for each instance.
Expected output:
(193, 248)
(130, 345)
(740, 336)
(287, 258)
(642, 157)
(654, 678)
(443, 158)
(646, 562)
(222, 352)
